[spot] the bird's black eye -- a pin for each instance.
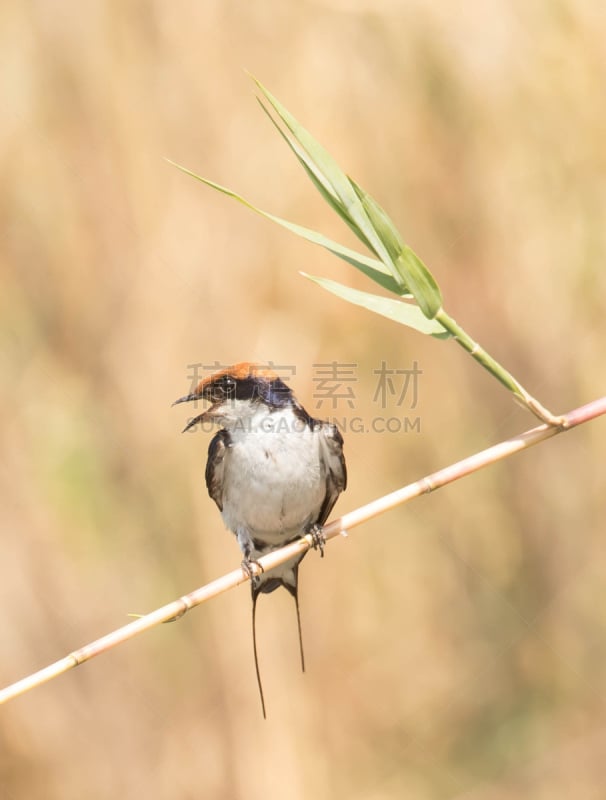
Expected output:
(227, 384)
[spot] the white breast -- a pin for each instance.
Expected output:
(274, 480)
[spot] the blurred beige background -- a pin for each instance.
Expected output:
(456, 647)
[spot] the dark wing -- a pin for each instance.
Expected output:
(331, 443)
(215, 466)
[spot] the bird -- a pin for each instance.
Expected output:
(274, 471)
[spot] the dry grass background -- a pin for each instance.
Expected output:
(456, 648)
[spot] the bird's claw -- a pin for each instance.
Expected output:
(247, 566)
(318, 539)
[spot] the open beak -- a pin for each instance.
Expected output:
(188, 398)
(210, 415)
(194, 421)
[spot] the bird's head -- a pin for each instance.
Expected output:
(238, 391)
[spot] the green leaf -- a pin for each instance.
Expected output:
(361, 212)
(321, 183)
(397, 310)
(414, 272)
(371, 267)
(420, 281)
(334, 182)
(386, 230)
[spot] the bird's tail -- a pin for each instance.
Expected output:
(264, 585)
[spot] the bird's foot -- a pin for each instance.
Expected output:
(248, 565)
(318, 538)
